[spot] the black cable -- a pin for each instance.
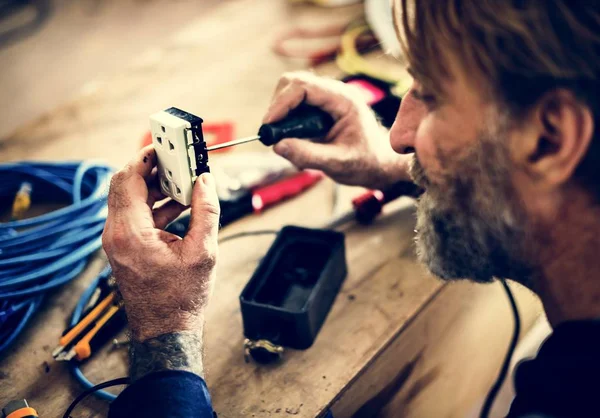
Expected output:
(83, 395)
(125, 380)
(248, 234)
(491, 396)
(42, 8)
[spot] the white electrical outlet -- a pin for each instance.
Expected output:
(181, 152)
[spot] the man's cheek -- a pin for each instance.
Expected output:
(427, 152)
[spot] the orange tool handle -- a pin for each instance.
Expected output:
(81, 325)
(23, 413)
(83, 348)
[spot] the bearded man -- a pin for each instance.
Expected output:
(500, 129)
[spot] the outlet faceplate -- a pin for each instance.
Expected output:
(181, 152)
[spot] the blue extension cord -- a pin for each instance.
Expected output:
(42, 253)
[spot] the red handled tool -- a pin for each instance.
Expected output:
(368, 205)
(254, 201)
(268, 195)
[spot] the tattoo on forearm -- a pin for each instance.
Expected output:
(175, 351)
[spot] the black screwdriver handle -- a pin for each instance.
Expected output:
(305, 121)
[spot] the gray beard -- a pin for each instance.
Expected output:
(470, 227)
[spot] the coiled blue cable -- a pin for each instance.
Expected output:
(42, 253)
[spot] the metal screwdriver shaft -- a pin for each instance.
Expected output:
(303, 122)
(235, 142)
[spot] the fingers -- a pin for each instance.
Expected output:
(126, 183)
(288, 99)
(333, 96)
(167, 213)
(144, 162)
(204, 221)
(128, 196)
(155, 193)
(306, 154)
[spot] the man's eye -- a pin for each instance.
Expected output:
(428, 99)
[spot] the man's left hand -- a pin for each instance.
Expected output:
(165, 281)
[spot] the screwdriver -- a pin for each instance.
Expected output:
(304, 121)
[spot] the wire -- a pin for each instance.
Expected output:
(315, 56)
(41, 253)
(86, 393)
(320, 55)
(491, 396)
(75, 317)
(11, 8)
(248, 234)
(106, 273)
(87, 294)
(350, 61)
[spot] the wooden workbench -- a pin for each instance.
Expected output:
(397, 341)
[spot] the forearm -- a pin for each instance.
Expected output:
(174, 351)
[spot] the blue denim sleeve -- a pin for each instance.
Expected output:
(171, 393)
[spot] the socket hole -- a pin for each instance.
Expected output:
(159, 140)
(177, 190)
(171, 146)
(163, 129)
(165, 184)
(169, 174)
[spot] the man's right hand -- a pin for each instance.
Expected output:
(356, 151)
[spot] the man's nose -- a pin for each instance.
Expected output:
(404, 129)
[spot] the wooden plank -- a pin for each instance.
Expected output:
(376, 299)
(85, 40)
(220, 66)
(443, 362)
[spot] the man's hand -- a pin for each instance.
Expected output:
(356, 151)
(165, 281)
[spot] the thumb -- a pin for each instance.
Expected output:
(204, 221)
(306, 154)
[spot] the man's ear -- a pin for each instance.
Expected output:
(555, 137)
